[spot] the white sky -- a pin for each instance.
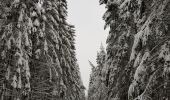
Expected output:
(86, 15)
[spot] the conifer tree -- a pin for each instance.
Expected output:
(37, 52)
(119, 44)
(97, 87)
(138, 49)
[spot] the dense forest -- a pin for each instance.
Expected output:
(136, 65)
(37, 52)
(38, 58)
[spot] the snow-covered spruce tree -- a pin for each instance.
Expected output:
(97, 88)
(37, 52)
(146, 70)
(119, 44)
(15, 50)
(151, 51)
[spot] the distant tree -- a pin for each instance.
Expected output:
(97, 87)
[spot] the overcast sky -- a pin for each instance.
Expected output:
(86, 15)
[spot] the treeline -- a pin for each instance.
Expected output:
(137, 59)
(37, 52)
